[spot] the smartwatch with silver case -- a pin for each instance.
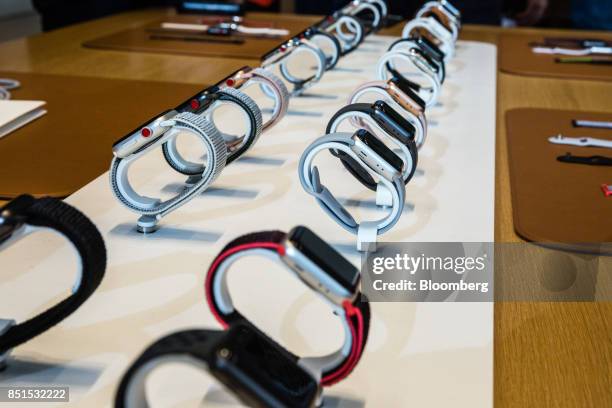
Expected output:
(26, 215)
(375, 157)
(321, 268)
(151, 135)
(400, 95)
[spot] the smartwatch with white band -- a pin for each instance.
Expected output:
(369, 152)
(398, 93)
(349, 30)
(205, 103)
(386, 121)
(432, 30)
(442, 15)
(434, 56)
(289, 49)
(322, 269)
(425, 67)
(251, 366)
(147, 137)
(328, 43)
(26, 215)
(7, 85)
(367, 12)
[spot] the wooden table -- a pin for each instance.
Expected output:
(545, 354)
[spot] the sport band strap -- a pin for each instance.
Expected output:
(437, 30)
(311, 182)
(364, 112)
(235, 147)
(50, 213)
(301, 84)
(431, 53)
(335, 22)
(216, 155)
(331, 368)
(6, 85)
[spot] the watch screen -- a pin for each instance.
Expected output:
(262, 372)
(404, 86)
(139, 128)
(393, 122)
(381, 149)
(430, 47)
(325, 257)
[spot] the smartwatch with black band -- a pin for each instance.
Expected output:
(322, 269)
(205, 103)
(387, 120)
(258, 371)
(25, 215)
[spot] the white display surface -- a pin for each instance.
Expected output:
(428, 354)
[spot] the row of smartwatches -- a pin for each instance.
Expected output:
(256, 369)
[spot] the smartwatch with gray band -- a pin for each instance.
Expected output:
(387, 122)
(349, 30)
(373, 156)
(289, 49)
(141, 141)
(205, 104)
(26, 215)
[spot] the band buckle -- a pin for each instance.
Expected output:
(5, 325)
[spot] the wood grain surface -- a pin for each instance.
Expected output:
(546, 354)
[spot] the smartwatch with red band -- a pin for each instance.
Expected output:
(322, 269)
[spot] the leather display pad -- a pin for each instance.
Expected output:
(554, 202)
(516, 57)
(139, 39)
(71, 145)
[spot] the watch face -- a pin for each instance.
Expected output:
(261, 372)
(381, 149)
(430, 48)
(393, 122)
(325, 257)
(405, 86)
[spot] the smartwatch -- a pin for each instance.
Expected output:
(386, 121)
(325, 42)
(430, 50)
(373, 156)
(26, 215)
(281, 55)
(401, 96)
(144, 139)
(7, 85)
(365, 11)
(434, 31)
(438, 12)
(249, 364)
(424, 66)
(349, 30)
(204, 104)
(318, 266)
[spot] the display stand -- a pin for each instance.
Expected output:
(418, 354)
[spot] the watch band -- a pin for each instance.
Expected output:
(311, 182)
(414, 58)
(357, 7)
(301, 84)
(410, 104)
(252, 366)
(365, 112)
(235, 146)
(6, 85)
(320, 39)
(442, 15)
(355, 315)
(435, 29)
(183, 122)
(382, 7)
(25, 215)
(335, 23)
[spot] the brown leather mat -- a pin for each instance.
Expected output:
(516, 57)
(139, 39)
(71, 145)
(556, 202)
